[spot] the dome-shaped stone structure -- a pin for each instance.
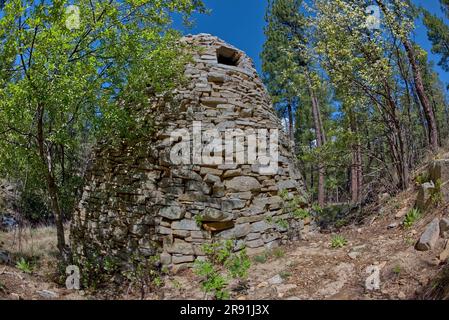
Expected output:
(215, 172)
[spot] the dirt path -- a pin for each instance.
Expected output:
(16, 285)
(311, 269)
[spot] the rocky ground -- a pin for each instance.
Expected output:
(303, 270)
(313, 270)
(307, 269)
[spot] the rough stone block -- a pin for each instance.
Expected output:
(173, 212)
(430, 237)
(444, 227)
(239, 231)
(260, 226)
(185, 224)
(424, 195)
(243, 184)
(181, 247)
(177, 259)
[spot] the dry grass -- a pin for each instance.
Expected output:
(30, 242)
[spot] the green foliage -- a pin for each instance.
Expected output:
(34, 207)
(199, 220)
(292, 205)
(61, 89)
(267, 254)
(412, 217)
(285, 274)
(261, 258)
(284, 194)
(316, 208)
(301, 214)
(24, 265)
(282, 223)
(214, 281)
(278, 253)
(397, 270)
(436, 194)
(220, 266)
(338, 241)
(438, 34)
(422, 178)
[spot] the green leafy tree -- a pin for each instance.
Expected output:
(64, 82)
(289, 65)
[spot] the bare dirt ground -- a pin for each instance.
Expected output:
(311, 269)
(303, 270)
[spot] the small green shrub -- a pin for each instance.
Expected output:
(341, 223)
(282, 223)
(397, 270)
(24, 265)
(261, 258)
(300, 213)
(338, 241)
(284, 194)
(422, 178)
(199, 220)
(292, 205)
(411, 217)
(269, 219)
(285, 275)
(34, 208)
(278, 253)
(220, 266)
(316, 208)
(436, 195)
(214, 281)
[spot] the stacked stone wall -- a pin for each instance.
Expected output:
(139, 201)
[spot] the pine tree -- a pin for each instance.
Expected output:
(438, 34)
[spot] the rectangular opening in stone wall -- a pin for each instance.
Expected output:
(228, 56)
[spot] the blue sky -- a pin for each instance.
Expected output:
(241, 22)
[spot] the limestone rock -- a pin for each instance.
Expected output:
(185, 224)
(255, 243)
(4, 257)
(444, 227)
(277, 279)
(165, 258)
(176, 268)
(177, 259)
(172, 212)
(242, 184)
(47, 294)
(444, 256)
(260, 226)
(424, 195)
(239, 231)
(231, 204)
(430, 237)
(181, 247)
(214, 215)
(439, 170)
(210, 178)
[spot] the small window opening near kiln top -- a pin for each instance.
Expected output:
(228, 56)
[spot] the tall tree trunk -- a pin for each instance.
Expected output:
(52, 187)
(356, 167)
(320, 138)
(419, 86)
(290, 121)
